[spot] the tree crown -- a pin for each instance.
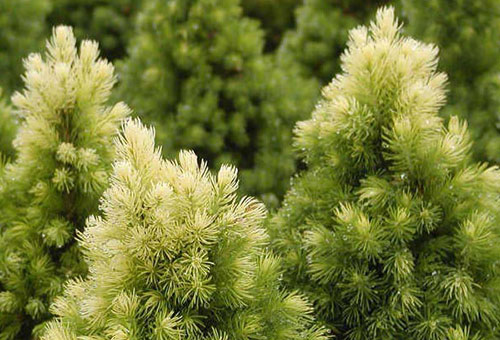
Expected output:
(392, 222)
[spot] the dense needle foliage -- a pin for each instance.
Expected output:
(64, 151)
(390, 228)
(467, 33)
(197, 72)
(392, 231)
(177, 255)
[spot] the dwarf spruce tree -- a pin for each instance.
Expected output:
(64, 150)
(392, 231)
(22, 27)
(196, 70)
(467, 35)
(320, 34)
(176, 255)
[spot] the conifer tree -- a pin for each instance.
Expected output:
(196, 71)
(64, 151)
(107, 21)
(320, 34)
(392, 230)
(176, 255)
(276, 16)
(22, 27)
(467, 33)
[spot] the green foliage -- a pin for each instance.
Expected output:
(467, 33)
(392, 230)
(176, 255)
(321, 33)
(197, 72)
(276, 16)
(107, 21)
(8, 128)
(64, 151)
(22, 24)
